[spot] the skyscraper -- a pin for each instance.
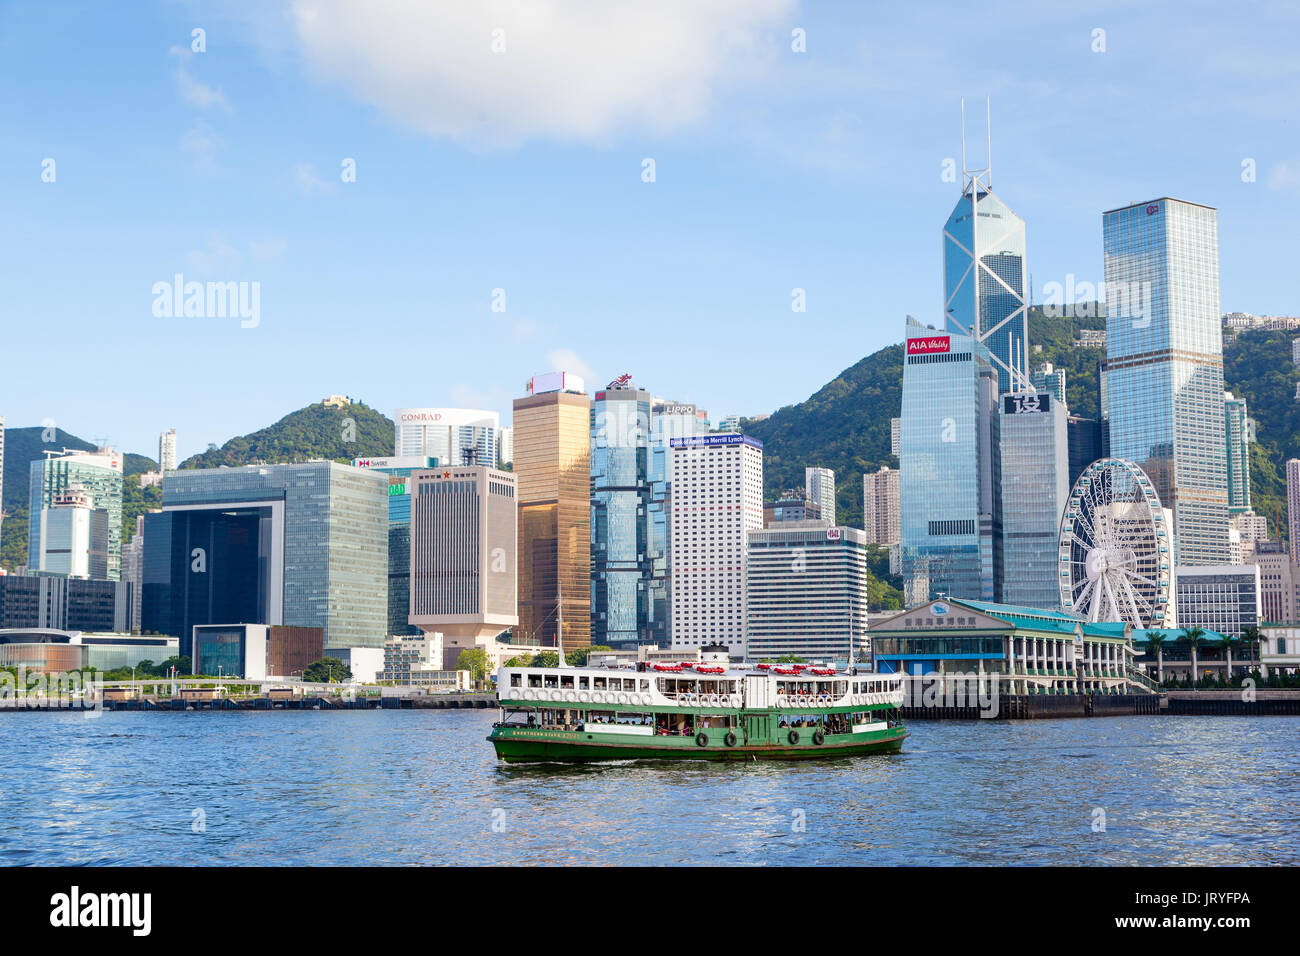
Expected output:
(985, 291)
(1293, 507)
(668, 420)
(806, 592)
(717, 499)
(1031, 474)
(1164, 364)
(464, 564)
(553, 469)
(302, 544)
(454, 436)
(880, 514)
(167, 451)
(400, 489)
(819, 487)
(99, 475)
(1237, 434)
(945, 480)
(620, 516)
(1051, 380)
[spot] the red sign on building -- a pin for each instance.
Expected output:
(934, 343)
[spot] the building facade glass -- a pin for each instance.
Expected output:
(1164, 364)
(552, 465)
(1031, 474)
(99, 476)
(1237, 434)
(945, 483)
(985, 294)
(620, 518)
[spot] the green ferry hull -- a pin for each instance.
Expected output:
(573, 747)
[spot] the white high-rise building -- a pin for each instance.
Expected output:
(167, 451)
(806, 592)
(455, 436)
(505, 446)
(880, 515)
(717, 499)
(819, 487)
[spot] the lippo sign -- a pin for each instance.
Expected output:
(934, 343)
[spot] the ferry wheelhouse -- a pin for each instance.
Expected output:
(695, 710)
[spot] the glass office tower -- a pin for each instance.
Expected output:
(620, 517)
(303, 544)
(985, 290)
(945, 484)
(1237, 433)
(1031, 475)
(552, 465)
(399, 471)
(99, 475)
(1164, 364)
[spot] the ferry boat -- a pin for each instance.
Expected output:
(698, 710)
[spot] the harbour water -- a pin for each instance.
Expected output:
(423, 787)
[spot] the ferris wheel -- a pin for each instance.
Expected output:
(1115, 551)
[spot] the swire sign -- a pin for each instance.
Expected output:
(934, 343)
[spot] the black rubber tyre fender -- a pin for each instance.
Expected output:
(793, 737)
(701, 739)
(730, 739)
(819, 738)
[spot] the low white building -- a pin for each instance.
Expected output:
(1279, 649)
(1219, 597)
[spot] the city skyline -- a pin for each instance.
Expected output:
(739, 160)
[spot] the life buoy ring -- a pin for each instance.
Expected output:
(597, 697)
(570, 696)
(701, 739)
(781, 700)
(735, 700)
(714, 700)
(623, 698)
(819, 738)
(645, 700)
(584, 696)
(793, 736)
(730, 739)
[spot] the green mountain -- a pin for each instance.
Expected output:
(314, 432)
(845, 424)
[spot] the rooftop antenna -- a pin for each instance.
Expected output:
(988, 128)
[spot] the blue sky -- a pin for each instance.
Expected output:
(521, 170)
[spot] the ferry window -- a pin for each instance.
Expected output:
(567, 681)
(645, 685)
(516, 680)
(584, 683)
(534, 680)
(598, 683)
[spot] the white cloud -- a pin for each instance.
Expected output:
(193, 91)
(1285, 176)
(201, 144)
(218, 252)
(570, 69)
(567, 360)
(267, 250)
(304, 175)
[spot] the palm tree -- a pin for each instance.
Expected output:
(1251, 637)
(1193, 636)
(1156, 639)
(1227, 650)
